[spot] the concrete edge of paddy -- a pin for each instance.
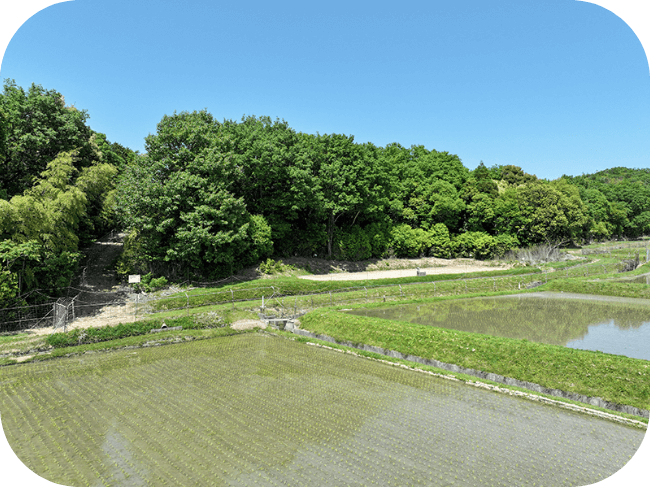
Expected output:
(594, 401)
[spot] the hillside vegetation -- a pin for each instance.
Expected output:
(208, 198)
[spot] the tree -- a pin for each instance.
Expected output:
(179, 201)
(342, 181)
(50, 211)
(38, 127)
(553, 211)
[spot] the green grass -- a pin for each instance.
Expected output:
(12, 338)
(162, 338)
(492, 354)
(602, 288)
(257, 409)
(457, 375)
(293, 286)
(615, 378)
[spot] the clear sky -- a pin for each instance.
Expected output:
(554, 86)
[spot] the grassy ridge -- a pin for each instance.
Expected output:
(614, 378)
(291, 286)
(602, 288)
(93, 335)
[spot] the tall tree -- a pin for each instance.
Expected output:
(179, 203)
(39, 126)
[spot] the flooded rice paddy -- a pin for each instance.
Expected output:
(612, 325)
(255, 409)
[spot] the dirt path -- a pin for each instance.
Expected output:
(99, 298)
(430, 266)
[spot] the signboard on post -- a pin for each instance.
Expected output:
(134, 279)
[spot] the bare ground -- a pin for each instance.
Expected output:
(101, 300)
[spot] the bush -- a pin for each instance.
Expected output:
(149, 284)
(260, 235)
(352, 245)
(479, 245)
(408, 242)
(504, 243)
(379, 237)
(271, 267)
(438, 241)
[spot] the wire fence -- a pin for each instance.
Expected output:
(642, 245)
(289, 302)
(273, 300)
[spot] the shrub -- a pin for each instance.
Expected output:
(479, 245)
(149, 284)
(438, 241)
(271, 267)
(504, 243)
(379, 237)
(353, 244)
(407, 241)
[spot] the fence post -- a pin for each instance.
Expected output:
(295, 306)
(494, 281)
(330, 298)
(401, 293)
(366, 293)
(232, 297)
(187, 303)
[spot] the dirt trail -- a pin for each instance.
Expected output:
(99, 298)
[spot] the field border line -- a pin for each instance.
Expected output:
(503, 390)
(495, 378)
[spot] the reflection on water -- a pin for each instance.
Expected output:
(610, 327)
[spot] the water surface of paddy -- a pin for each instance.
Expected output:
(257, 409)
(612, 325)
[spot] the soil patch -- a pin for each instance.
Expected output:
(393, 268)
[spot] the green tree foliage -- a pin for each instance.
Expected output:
(38, 127)
(474, 244)
(553, 212)
(50, 211)
(179, 198)
(627, 195)
(14, 269)
(353, 244)
(57, 180)
(342, 182)
(40, 226)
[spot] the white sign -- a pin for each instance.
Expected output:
(134, 279)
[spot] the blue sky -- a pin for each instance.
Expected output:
(554, 86)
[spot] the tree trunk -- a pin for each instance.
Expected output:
(330, 234)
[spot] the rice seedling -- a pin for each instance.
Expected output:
(253, 409)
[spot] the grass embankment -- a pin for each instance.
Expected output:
(606, 284)
(615, 378)
(293, 286)
(136, 334)
(602, 288)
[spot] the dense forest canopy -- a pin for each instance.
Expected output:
(208, 197)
